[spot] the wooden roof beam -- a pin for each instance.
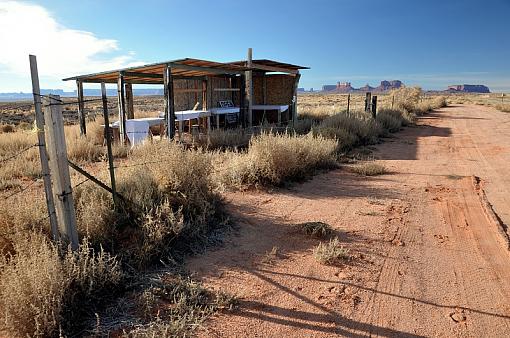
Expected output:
(273, 69)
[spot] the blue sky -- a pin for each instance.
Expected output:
(429, 43)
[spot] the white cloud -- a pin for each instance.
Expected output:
(61, 52)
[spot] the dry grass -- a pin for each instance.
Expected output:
(41, 280)
(350, 130)
(273, 159)
(227, 139)
(315, 229)
(179, 305)
(331, 253)
(369, 169)
(503, 107)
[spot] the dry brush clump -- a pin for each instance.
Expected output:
(272, 159)
(227, 139)
(369, 169)
(170, 201)
(42, 283)
(503, 107)
(332, 252)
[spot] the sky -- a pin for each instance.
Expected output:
(429, 43)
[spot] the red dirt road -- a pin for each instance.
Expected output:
(429, 242)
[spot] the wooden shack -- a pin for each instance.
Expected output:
(252, 91)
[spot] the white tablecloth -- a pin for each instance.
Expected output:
(281, 109)
(152, 121)
(185, 115)
(233, 110)
(226, 110)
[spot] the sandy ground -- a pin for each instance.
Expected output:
(430, 257)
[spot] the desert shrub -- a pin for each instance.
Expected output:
(227, 138)
(390, 119)
(406, 98)
(182, 302)
(315, 229)
(42, 282)
(6, 128)
(273, 159)
(331, 252)
(303, 125)
(503, 107)
(169, 194)
(350, 129)
(439, 102)
(369, 169)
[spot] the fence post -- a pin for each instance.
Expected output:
(108, 138)
(348, 102)
(60, 170)
(392, 101)
(368, 97)
(81, 108)
(374, 106)
(39, 124)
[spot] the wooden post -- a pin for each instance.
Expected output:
(81, 108)
(242, 100)
(59, 167)
(249, 88)
(392, 101)
(374, 106)
(122, 109)
(39, 123)
(108, 138)
(130, 106)
(368, 98)
(348, 102)
(294, 99)
(204, 95)
(169, 103)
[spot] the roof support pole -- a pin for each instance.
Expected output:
(122, 108)
(169, 103)
(81, 108)
(242, 100)
(130, 111)
(294, 99)
(249, 88)
(204, 95)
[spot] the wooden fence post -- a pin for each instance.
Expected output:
(374, 106)
(368, 99)
(392, 101)
(39, 123)
(169, 103)
(81, 108)
(348, 102)
(108, 138)
(59, 167)
(122, 109)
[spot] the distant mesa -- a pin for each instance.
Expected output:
(467, 88)
(346, 87)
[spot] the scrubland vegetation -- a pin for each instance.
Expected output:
(174, 208)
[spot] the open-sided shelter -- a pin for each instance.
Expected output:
(257, 90)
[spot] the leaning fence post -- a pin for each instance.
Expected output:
(108, 138)
(59, 167)
(39, 124)
(374, 106)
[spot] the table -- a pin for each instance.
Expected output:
(188, 115)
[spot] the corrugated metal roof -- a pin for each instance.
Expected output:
(186, 68)
(153, 73)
